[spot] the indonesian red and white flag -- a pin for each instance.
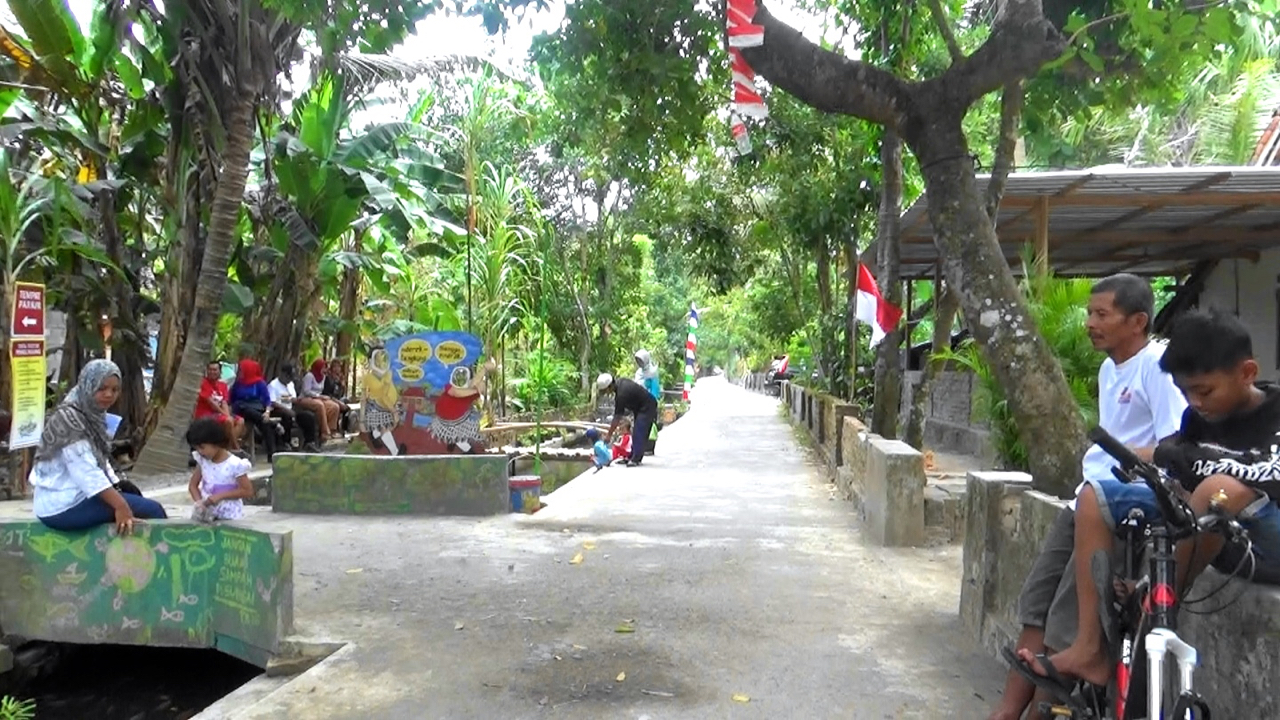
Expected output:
(873, 309)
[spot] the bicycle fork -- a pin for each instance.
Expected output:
(1160, 643)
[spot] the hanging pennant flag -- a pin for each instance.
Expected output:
(742, 32)
(740, 136)
(747, 101)
(746, 96)
(690, 350)
(873, 309)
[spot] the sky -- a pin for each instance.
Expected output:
(444, 35)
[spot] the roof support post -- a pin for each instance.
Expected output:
(1042, 235)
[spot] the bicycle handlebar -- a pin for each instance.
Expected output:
(1116, 449)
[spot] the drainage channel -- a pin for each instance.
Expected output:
(121, 682)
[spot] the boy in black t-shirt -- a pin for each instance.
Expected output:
(1228, 442)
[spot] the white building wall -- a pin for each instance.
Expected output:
(1252, 291)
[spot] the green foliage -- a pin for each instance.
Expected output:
(542, 381)
(1059, 308)
(13, 709)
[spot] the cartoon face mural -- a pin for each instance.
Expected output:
(421, 396)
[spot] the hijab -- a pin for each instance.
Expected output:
(317, 369)
(78, 417)
(250, 373)
(646, 367)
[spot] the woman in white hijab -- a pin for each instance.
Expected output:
(647, 374)
(75, 483)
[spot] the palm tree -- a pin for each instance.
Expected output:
(231, 52)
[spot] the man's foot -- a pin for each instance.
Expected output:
(1074, 662)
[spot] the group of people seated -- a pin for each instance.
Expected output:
(76, 485)
(1194, 407)
(273, 409)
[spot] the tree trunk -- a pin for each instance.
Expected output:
(994, 309)
(128, 337)
(178, 295)
(888, 375)
(167, 451)
(348, 307)
(850, 317)
(943, 320)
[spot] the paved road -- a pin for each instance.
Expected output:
(724, 557)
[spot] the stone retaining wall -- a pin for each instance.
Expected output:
(171, 583)
(1238, 640)
(884, 479)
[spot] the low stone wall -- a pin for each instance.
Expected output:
(171, 583)
(1238, 641)
(383, 485)
(885, 480)
(822, 415)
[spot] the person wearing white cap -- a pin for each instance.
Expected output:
(630, 397)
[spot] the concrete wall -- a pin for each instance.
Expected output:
(1238, 641)
(328, 484)
(884, 479)
(171, 583)
(1252, 291)
(950, 424)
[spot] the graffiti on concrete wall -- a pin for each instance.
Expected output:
(372, 485)
(167, 584)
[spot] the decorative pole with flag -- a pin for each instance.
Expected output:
(690, 350)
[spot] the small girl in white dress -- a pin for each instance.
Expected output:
(220, 483)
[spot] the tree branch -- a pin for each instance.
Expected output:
(1021, 42)
(944, 29)
(823, 79)
(1007, 142)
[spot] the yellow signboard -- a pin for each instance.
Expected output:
(27, 363)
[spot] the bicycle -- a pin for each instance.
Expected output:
(1147, 617)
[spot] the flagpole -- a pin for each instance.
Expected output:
(853, 337)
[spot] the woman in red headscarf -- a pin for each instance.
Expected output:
(327, 410)
(251, 401)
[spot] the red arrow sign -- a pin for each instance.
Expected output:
(28, 310)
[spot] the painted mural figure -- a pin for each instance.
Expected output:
(421, 397)
(380, 401)
(457, 420)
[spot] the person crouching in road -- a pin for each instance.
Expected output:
(630, 397)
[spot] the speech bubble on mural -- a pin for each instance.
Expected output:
(411, 373)
(450, 352)
(415, 352)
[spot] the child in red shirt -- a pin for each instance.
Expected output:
(622, 446)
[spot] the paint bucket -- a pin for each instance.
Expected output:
(526, 493)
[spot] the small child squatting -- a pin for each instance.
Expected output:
(220, 482)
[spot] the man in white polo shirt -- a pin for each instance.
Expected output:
(1138, 404)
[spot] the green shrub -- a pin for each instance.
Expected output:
(14, 709)
(1059, 308)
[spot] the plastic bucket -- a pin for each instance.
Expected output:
(526, 493)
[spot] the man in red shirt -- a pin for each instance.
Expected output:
(212, 402)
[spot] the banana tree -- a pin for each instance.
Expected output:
(239, 51)
(329, 191)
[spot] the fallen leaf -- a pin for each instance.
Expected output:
(622, 676)
(624, 629)
(579, 647)
(577, 559)
(739, 697)
(353, 571)
(557, 657)
(458, 626)
(658, 693)
(588, 545)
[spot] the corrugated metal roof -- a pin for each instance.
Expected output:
(1154, 221)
